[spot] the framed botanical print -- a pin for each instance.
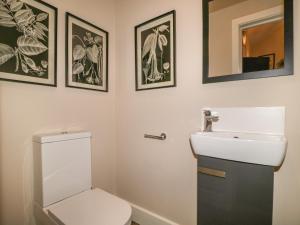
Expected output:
(155, 56)
(28, 42)
(86, 55)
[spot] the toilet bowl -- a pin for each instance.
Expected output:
(63, 193)
(93, 207)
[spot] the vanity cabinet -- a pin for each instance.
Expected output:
(234, 193)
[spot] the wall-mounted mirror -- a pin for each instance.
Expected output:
(247, 39)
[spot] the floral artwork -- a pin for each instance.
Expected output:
(27, 42)
(155, 53)
(87, 60)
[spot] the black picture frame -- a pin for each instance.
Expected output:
(288, 68)
(167, 73)
(29, 66)
(89, 43)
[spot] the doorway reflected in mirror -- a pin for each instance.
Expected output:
(263, 50)
(246, 39)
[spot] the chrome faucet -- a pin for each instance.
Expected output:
(208, 119)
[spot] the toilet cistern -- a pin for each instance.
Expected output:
(63, 190)
(208, 118)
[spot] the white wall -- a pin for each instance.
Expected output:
(29, 109)
(161, 176)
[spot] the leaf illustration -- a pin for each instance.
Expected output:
(166, 66)
(148, 44)
(23, 14)
(97, 80)
(3, 8)
(25, 68)
(77, 68)
(4, 15)
(39, 30)
(27, 7)
(78, 52)
(6, 53)
(16, 5)
(7, 23)
(41, 73)
(30, 19)
(30, 63)
(22, 24)
(93, 53)
(89, 79)
(30, 46)
(17, 61)
(162, 41)
(162, 28)
(41, 17)
(98, 40)
(9, 1)
(41, 26)
(39, 33)
(44, 64)
(6, 19)
(160, 45)
(146, 69)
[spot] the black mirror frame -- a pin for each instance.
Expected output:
(288, 45)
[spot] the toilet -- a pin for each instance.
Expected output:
(63, 193)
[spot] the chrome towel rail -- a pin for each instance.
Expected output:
(162, 137)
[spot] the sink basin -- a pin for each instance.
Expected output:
(260, 149)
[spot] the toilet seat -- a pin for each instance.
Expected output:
(92, 207)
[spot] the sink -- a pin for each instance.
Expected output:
(263, 149)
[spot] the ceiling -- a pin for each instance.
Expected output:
(216, 5)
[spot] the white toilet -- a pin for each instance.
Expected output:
(63, 189)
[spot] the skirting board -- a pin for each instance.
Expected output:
(145, 217)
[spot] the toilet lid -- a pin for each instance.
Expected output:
(93, 207)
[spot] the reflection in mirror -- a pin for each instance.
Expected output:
(263, 50)
(245, 36)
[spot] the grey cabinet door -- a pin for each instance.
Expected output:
(244, 196)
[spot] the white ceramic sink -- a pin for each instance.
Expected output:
(260, 149)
